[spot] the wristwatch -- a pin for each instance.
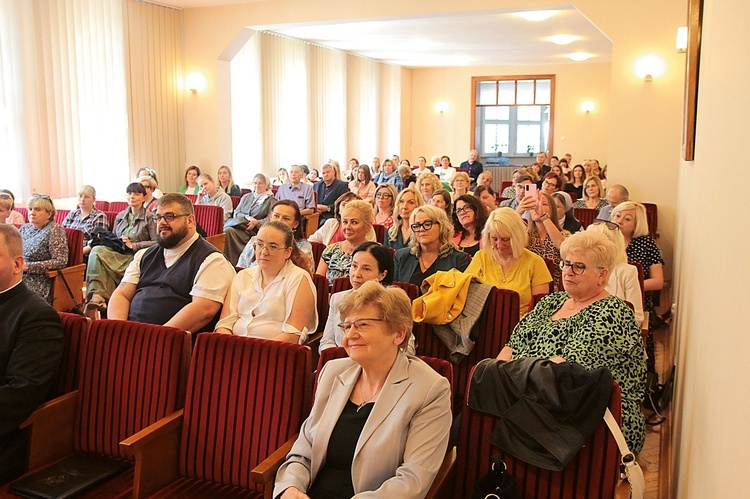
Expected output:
(544, 217)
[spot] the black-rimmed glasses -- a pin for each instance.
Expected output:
(578, 268)
(169, 217)
(426, 225)
(610, 225)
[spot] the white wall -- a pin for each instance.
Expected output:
(712, 435)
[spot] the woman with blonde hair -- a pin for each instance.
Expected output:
(356, 224)
(407, 176)
(226, 181)
(593, 195)
(460, 185)
(430, 248)
(45, 246)
(428, 183)
(506, 263)
(623, 277)
(407, 201)
(385, 201)
(8, 214)
(87, 217)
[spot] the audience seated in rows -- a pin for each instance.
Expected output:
(149, 172)
(181, 281)
(274, 299)
(545, 233)
(226, 181)
(298, 191)
(148, 183)
(385, 200)
(430, 247)
(578, 178)
(473, 166)
(328, 190)
(190, 184)
(135, 227)
(250, 214)
(593, 193)
(8, 214)
(45, 245)
(362, 185)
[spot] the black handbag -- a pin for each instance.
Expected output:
(497, 484)
(103, 237)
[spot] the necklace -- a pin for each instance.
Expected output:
(366, 400)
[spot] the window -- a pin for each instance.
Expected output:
(512, 115)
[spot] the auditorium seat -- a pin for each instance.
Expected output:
(211, 219)
(585, 215)
(102, 205)
(246, 397)
(118, 206)
(67, 283)
(131, 375)
(235, 201)
(24, 212)
(76, 331)
(379, 232)
(61, 215)
(317, 251)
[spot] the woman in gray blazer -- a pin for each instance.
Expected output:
(381, 419)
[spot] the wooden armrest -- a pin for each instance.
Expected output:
(311, 224)
(75, 276)
(314, 340)
(156, 451)
(51, 430)
(265, 472)
(444, 477)
(217, 240)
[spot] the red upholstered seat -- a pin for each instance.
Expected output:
(60, 215)
(652, 217)
(321, 292)
(130, 376)
(246, 397)
(246, 191)
(497, 323)
(211, 218)
(111, 216)
(76, 330)
(235, 201)
(102, 205)
(504, 185)
(64, 297)
(585, 215)
(192, 197)
(24, 212)
(592, 474)
(317, 251)
(117, 206)
(379, 232)
(75, 246)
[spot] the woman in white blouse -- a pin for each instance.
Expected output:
(276, 298)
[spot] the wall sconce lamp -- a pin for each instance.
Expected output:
(195, 82)
(682, 39)
(649, 67)
(587, 106)
(441, 107)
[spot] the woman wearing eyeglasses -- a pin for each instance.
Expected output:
(469, 222)
(623, 278)
(356, 224)
(136, 228)
(430, 248)
(45, 246)
(380, 423)
(385, 199)
(505, 262)
(8, 214)
(587, 325)
(274, 299)
(460, 185)
(407, 201)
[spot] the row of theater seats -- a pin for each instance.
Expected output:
(219, 419)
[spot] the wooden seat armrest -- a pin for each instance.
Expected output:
(218, 240)
(313, 340)
(443, 480)
(265, 472)
(51, 430)
(622, 491)
(156, 452)
(74, 270)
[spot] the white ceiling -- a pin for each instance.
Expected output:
(480, 38)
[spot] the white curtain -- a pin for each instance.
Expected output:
(153, 55)
(293, 102)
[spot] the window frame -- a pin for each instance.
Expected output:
(475, 80)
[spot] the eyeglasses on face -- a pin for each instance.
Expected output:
(360, 325)
(578, 268)
(550, 184)
(271, 248)
(610, 225)
(426, 225)
(385, 195)
(465, 208)
(169, 217)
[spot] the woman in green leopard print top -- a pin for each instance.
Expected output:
(586, 325)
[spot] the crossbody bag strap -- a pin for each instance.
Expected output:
(633, 471)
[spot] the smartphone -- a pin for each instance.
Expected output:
(530, 189)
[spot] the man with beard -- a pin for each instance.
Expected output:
(181, 281)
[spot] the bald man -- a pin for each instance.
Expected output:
(31, 346)
(615, 195)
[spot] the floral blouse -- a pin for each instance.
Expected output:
(44, 249)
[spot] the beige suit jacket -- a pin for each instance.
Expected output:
(402, 444)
